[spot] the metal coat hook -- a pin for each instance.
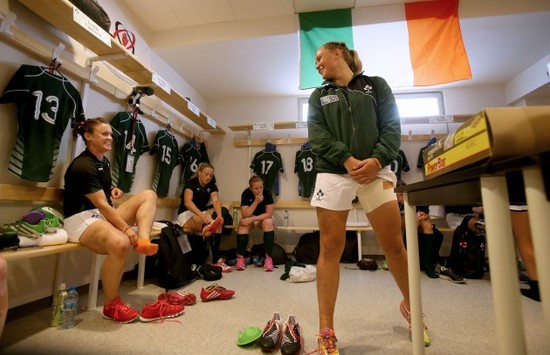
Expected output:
(93, 72)
(56, 60)
(7, 21)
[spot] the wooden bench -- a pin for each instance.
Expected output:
(18, 193)
(45, 195)
(358, 227)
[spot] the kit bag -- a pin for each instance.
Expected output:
(207, 272)
(307, 249)
(467, 256)
(173, 266)
(278, 256)
(94, 11)
(351, 250)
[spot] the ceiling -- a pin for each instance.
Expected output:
(227, 49)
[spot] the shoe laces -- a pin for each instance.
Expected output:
(164, 307)
(120, 308)
(327, 341)
(407, 315)
(292, 332)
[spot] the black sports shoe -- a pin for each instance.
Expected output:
(449, 274)
(480, 226)
(272, 334)
(292, 337)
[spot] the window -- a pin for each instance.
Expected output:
(302, 108)
(424, 104)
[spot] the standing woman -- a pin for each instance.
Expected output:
(200, 208)
(354, 126)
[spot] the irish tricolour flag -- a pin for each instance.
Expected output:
(411, 44)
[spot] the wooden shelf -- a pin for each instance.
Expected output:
(59, 13)
(289, 204)
(277, 125)
(52, 194)
(262, 142)
(292, 125)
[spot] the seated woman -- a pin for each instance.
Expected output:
(429, 239)
(92, 221)
(200, 210)
(256, 210)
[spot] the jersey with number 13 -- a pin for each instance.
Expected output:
(46, 103)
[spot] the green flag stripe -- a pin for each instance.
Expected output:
(316, 29)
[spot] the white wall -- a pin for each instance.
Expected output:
(32, 279)
(232, 163)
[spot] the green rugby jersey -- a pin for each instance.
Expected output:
(46, 102)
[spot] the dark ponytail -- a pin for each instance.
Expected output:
(87, 126)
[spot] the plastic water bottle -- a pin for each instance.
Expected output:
(58, 302)
(235, 217)
(285, 217)
(69, 308)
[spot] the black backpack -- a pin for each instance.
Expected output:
(307, 249)
(351, 250)
(467, 256)
(279, 256)
(173, 267)
(207, 272)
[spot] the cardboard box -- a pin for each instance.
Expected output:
(491, 135)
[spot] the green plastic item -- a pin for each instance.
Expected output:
(249, 335)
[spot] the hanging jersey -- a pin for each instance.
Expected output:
(191, 155)
(420, 161)
(268, 165)
(304, 166)
(45, 105)
(166, 147)
(400, 164)
(131, 142)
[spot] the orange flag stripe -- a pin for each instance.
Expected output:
(436, 48)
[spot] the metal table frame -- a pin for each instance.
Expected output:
(487, 185)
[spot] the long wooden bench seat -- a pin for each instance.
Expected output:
(45, 195)
(358, 227)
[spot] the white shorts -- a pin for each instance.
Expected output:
(336, 191)
(77, 223)
(519, 208)
(184, 217)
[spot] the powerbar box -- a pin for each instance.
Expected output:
(491, 135)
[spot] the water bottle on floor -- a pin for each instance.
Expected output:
(69, 309)
(285, 217)
(58, 302)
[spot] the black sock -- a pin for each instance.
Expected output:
(242, 242)
(214, 241)
(533, 291)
